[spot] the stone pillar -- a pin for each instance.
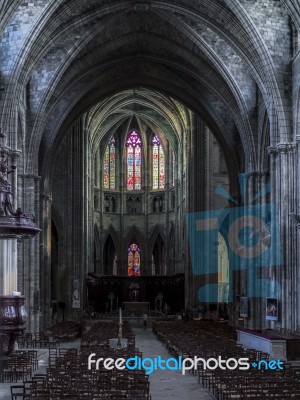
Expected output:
(8, 266)
(69, 198)
(29, 260)
(45, 270)
(296, 221)
(253, 274)
(284, 161)
(196, 195)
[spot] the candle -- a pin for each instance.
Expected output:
(120, 315)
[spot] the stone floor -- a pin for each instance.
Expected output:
(164, 385)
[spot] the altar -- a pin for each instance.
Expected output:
(137, 306)
(135, 293)
(273, 345)
(280, 346)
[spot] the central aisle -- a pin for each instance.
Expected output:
(167, 384)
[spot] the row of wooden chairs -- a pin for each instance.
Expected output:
(37, 340)
(206, 340)
(103, 331)
(20, 366)
(68, 376)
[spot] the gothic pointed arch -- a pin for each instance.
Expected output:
(136, 234)
(158, 256)
(56, 217)
(112, 232)
(109, 257)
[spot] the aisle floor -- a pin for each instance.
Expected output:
(165, 385)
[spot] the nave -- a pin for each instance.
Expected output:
(63, 369)
(163, 384)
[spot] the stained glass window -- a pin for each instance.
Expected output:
(134, 161)
(134, 260)
(109, 165)
(158, 164)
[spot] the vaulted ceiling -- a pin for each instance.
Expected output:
(227, 60)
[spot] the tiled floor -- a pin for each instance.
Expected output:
(164, 385)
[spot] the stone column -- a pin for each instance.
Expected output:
(29, 260)
(285, 197)
(8, 266)
(296, 221)
(45, 270)
(255, 277)
(69, 198)
(196, 195)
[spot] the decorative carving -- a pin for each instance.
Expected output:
(12, 321)
(295, 218)
(134, 204)
(157, 203)
(110, 203)
(282, 148)
(13, 223)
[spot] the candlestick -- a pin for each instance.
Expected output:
(120, 315)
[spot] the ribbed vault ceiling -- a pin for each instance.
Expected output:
(110, 60)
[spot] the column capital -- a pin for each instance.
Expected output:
(282, 148)
(295, 218)
(272, 150)
(46, 197)
(258, 173)
(30, 176)
(285, 147)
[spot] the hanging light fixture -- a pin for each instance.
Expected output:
(14, 223)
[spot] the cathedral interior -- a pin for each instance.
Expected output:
(156, 146)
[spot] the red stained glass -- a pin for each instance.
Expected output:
(109, 165)
(158, 164)
(134, 161)
(134, 260)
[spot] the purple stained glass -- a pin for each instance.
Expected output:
(134, 161)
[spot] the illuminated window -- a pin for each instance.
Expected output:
(134, 161)
(134, 260)
(109, 165)
(158, 164)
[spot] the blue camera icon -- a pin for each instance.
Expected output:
(252, 239)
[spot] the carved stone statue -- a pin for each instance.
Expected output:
(4, 170)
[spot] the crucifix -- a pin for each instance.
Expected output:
(135, 291)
